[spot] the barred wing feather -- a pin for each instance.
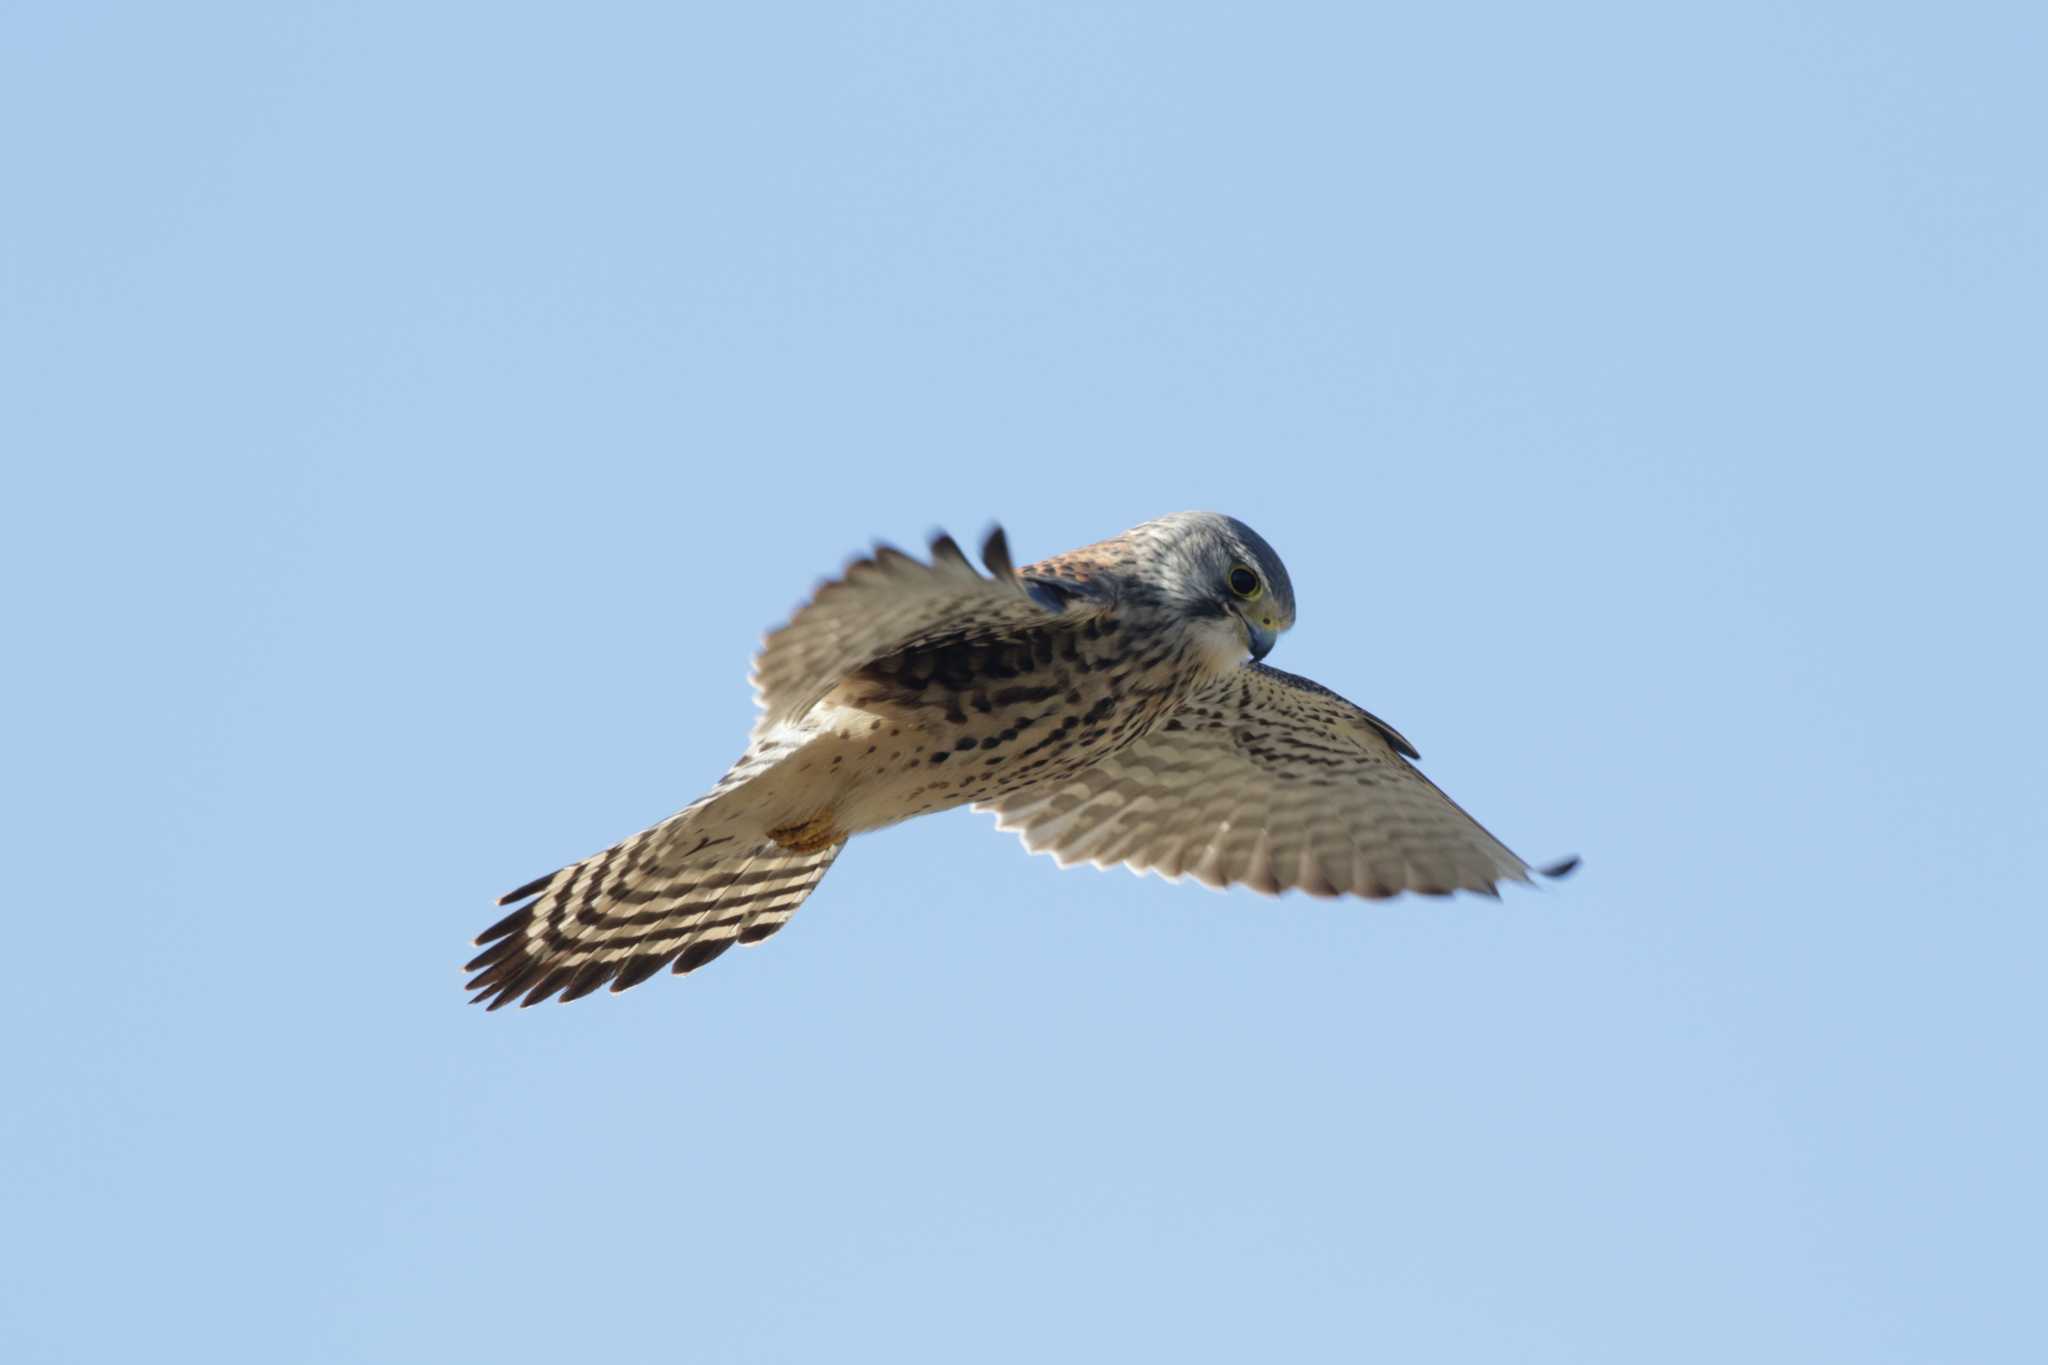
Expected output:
(1275, 782)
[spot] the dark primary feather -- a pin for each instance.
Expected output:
(532, 888)
(995, 555)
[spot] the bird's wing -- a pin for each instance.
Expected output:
(1269, 780)
(668, 895)
(889, 602)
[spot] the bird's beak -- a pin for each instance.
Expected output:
(1261, 639)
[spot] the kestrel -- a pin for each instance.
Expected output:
(1101, 703)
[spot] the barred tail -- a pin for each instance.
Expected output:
(677, 893)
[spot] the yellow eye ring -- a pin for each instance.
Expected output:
(1245, 583)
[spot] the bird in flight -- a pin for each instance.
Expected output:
(1109, 704)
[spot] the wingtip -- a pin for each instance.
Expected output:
(533, 887)
(505, 927)
(945, 549)
(995, 554)
(1563, 867)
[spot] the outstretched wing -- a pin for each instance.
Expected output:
(667, 896)
(890, 602)
(1273, 781)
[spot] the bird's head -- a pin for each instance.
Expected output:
(1226, 581)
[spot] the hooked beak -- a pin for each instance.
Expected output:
(1260, 638)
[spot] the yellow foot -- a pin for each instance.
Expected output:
(811, 836)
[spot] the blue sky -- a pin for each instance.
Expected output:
(415, 415)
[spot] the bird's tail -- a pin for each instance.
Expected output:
(681, 892)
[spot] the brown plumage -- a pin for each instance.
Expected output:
(1100, 703)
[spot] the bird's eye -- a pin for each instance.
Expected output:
(1244, 582)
